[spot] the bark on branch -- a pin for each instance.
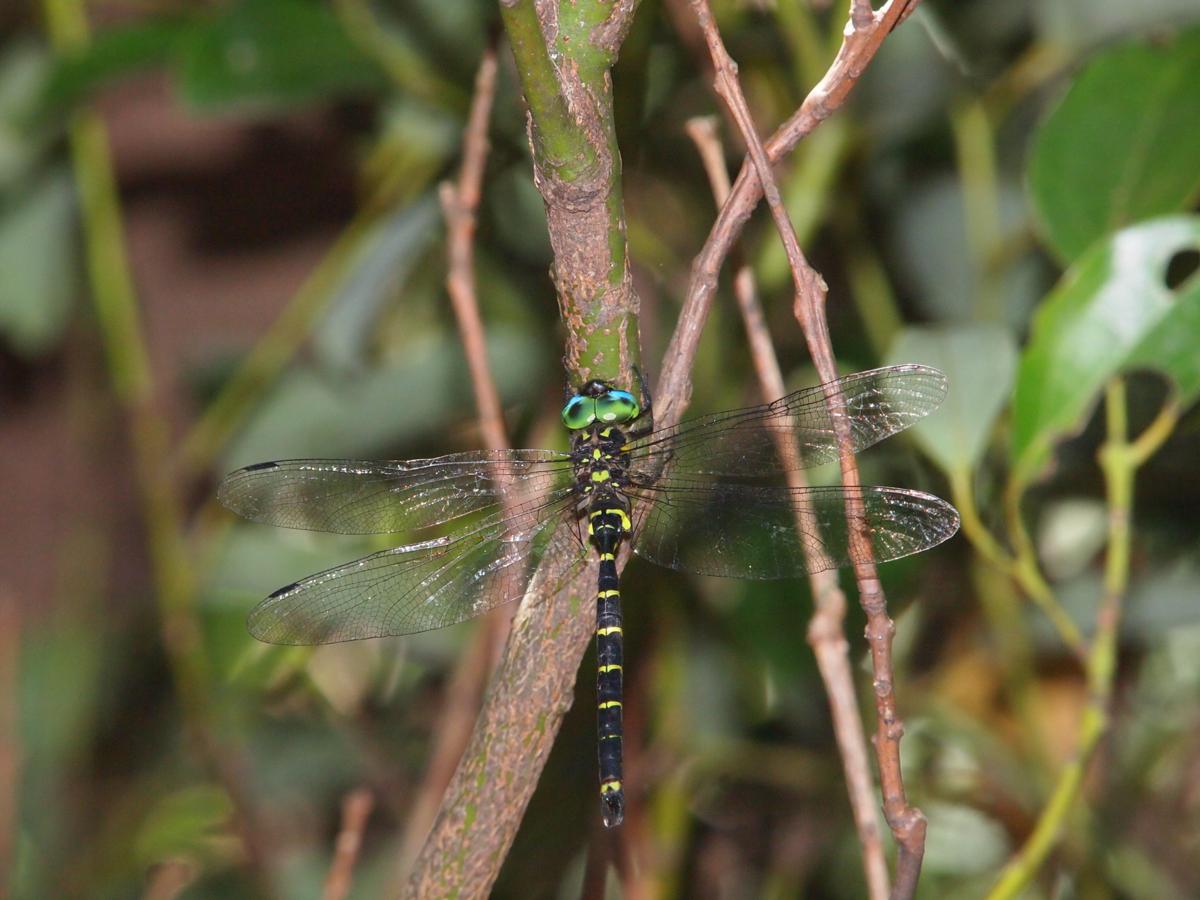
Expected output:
(563, 64)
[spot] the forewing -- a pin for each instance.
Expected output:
(419, 587)
(743, 531)
(743, 442)
(351, 496)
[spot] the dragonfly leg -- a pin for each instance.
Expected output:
(645, 419)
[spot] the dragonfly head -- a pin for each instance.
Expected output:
(597, 401)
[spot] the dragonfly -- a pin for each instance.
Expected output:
(704, 496)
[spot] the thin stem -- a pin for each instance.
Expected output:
(1119, 461)
(10, 741)
(870, 289)
(1029, 576)
(906, 821)
(862, 39)
(973, 142)
(1022, 567)
(356, 809)
(825, 633)
(977, 533)
(460, 202)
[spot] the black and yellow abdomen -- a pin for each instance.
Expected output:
(607, 524)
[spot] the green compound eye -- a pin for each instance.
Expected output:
(618, 407)
(580, 412)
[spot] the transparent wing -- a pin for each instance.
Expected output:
(744, 531)
(741, 442)
(422, 586)
(350, 496)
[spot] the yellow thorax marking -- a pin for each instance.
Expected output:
(604, 669)
(609, 704)
(612, 629)
(610, 786)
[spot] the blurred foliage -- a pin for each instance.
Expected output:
(1010, 195)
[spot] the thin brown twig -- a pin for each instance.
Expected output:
(459, 204)
(460, 201)
(825, 633)
(356, 809)
(170, 878)
(858, 49)
(906, 821)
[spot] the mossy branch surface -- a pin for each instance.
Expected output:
(564, 52)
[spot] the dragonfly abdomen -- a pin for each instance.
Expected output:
(607, 524)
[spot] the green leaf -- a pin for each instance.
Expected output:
(38, 262)
(1111, 311)
(191, 823)
(1122, 146)
(271, 54)
(928, 235)
(112, 53)
(962, 840)
(314, 414)
(979, 362)
(519, 215)
(1171, 347)
(23, 71)
(386, 258)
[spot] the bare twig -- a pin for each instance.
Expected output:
(906, 821)
(459, 203)
(356, 809)
(170, 878)
(825, 631)
(857, 50)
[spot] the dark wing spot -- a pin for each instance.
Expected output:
(286, 589)
(258, 466)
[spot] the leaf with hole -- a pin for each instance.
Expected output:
(1112, 311)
